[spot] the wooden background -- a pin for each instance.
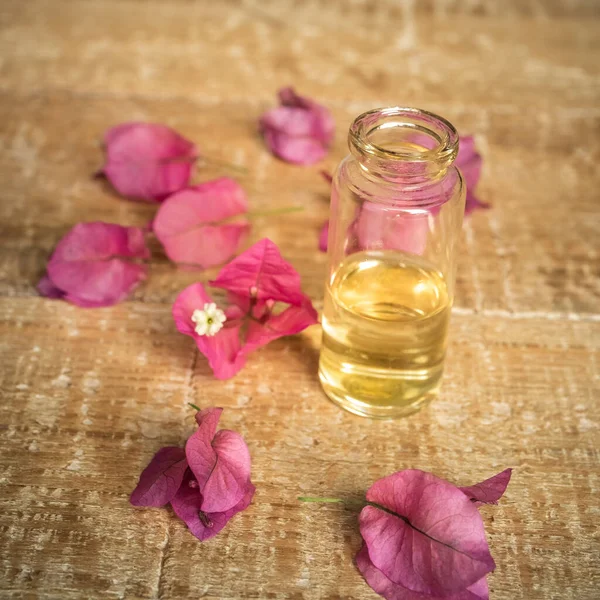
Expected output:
(89, 395)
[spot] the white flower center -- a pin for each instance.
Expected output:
(209, 320)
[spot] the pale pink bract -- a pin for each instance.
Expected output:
(187, 505)
(490, 490)
(469, 161)
(96, 264)
(299, 131)
(219, 461)
(261, 273)
(47, 289)
(428, 536)
(190, 223)
(221, 350)
(423, 541)
(147, 161)
(393, 591)
(268, 327)
(161, 479)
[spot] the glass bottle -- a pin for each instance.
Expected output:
(397, 204)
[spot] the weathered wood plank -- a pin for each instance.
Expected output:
(518, 392)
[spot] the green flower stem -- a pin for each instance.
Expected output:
(347, 502)
(222, 163)
(313, 499)
(194, 406)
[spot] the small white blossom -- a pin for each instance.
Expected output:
(209, 320)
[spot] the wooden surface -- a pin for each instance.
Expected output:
(89, 395)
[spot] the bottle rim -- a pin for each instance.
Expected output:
(438, 132)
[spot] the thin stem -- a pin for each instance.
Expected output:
(347, 501)
(194, 406)
(275, 211)
(313, 499)
(225, 164)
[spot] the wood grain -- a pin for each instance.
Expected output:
(89, 395)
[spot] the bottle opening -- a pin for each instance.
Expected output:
(403, 141)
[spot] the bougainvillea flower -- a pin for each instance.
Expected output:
(469, 162)
(299, 131)
(206, 484)
(96, 264)
(192, 224)
(146, 161)
(393, 591)
(424, 534)
(258, 282)
(490, 490)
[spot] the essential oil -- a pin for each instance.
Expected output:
(385, 324)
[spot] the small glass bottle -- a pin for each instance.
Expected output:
(397, 204)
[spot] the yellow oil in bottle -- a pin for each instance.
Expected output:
(385, 322)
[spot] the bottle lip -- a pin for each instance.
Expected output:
(422, 122)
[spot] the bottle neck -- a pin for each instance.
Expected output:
(403, 145)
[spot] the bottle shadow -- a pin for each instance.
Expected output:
(307, 347)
